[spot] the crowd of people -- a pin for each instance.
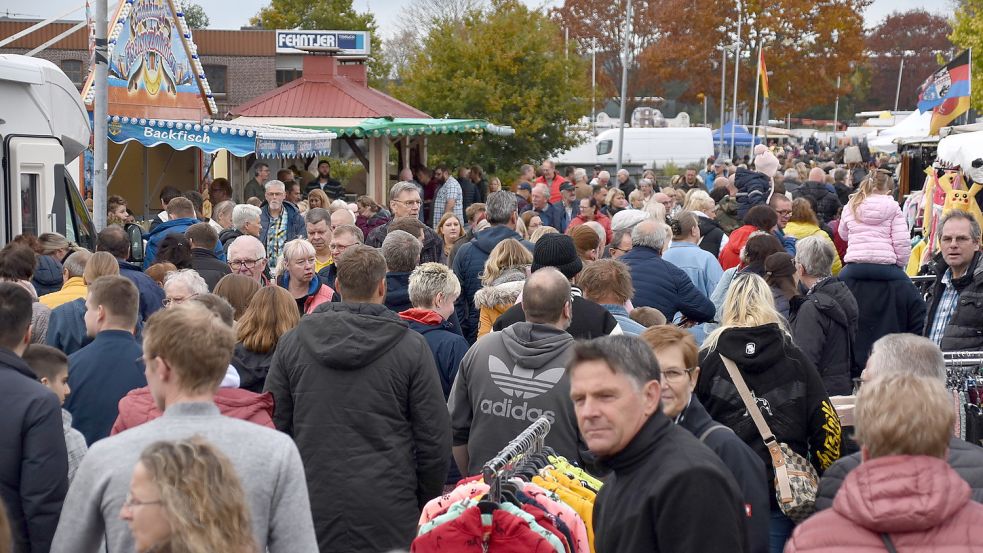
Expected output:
(291, 372)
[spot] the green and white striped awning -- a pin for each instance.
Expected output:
(386, 126)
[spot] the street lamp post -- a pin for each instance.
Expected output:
(624, 86)
(737, 69)
(723, 93)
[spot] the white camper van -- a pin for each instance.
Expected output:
(655, 147)
(44, 127)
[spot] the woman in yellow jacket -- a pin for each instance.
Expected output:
(503, 278)
(804, 222)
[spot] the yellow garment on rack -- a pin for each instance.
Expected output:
(915, 261)
(584, 507)
(577, 473)
(553, 475)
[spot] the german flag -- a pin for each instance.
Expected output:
(946, 92)
(763, 71)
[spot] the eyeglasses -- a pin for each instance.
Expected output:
(177, 301)
(785, 212)
(676, 375)
(620, 249)
(409, 202)
(959, 240)
(132, 502)
(247, 263)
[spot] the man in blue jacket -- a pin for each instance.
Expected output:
(560, 213)
(280, 220)
(114, 240)
(180, 217)
(104, 371)
(34, 463)
(469, 262)
(661, 284)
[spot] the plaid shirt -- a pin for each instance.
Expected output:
(74, 442)
(276, 238)
(451, 190)
(945, 309)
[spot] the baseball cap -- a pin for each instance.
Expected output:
(525, 186)
(564, 186)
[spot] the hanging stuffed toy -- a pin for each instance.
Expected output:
(957, 197)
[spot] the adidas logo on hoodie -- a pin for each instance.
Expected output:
(519, 383)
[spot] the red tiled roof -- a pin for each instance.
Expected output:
(321, 92)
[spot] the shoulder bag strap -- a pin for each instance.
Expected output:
(887, 543)
(774, 448)
(711, 430)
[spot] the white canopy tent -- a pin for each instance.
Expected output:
(913, 126)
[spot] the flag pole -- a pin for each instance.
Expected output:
(757, 84)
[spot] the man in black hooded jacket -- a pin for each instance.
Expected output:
(359, 393)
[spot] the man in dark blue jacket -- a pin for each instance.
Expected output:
(104, 371)
(469, 262)
(180, 217)
(402, 252)
(113, 239)
(562, 212)
(34, 462)
(661, 284)
(280, 220)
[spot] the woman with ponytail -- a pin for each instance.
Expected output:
(873, 225)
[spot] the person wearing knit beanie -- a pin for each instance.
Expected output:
(765, 161)
(559, 251)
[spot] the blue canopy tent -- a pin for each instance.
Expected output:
(741, 136)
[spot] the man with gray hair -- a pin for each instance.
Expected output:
(74, 285)
(955, 301)
(245, 222)
(342, 238)
(469, 262)
(248, 257)
(511, 378)
(402, 253)
(916, 356)
(824, 323)
(661, 284)
(281, 221)
(669, 491)
(625, 182)
(405, 201)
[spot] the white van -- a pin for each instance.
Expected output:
(44, 128)
(655, 147)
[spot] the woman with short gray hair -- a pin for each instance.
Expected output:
(295, 272)
(823, 323)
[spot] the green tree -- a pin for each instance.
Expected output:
(506, 65)
(327, 14)
(194, 14)
(967, 32)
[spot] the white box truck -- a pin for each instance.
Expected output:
(655, 147)
(44, 127)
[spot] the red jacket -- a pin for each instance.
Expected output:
(601, 218)
(730, 255)
(138, 407)
(465, 534)
(920, 502)
(554, 186)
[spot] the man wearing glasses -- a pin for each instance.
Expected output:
(342, 238)
(404, 201)
(955, 302)
(677, 353)
(248, 257)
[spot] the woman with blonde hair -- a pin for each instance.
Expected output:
(185, 497)
(713, 237)
(614, 202)
(271, 313)
(540, 232)
(449, 229)
(785, 385)
(803, 222)
(317, 199)
(502, 281)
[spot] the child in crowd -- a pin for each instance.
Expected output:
(873, 226)
(51, 367)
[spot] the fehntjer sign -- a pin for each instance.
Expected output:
(351, 43)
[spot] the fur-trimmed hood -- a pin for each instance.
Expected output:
(504, 290)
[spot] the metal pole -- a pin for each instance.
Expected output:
(624, 86)
(836, 113)
(737, 70)
(705, 122)
(100, 114)
(723, 95)
(897, 94)
(593, 87)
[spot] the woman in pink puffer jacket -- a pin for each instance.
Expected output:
(873, 226)
(904, 492)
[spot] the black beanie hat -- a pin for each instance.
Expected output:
(559, 251)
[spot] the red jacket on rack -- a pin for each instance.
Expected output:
(508, 534)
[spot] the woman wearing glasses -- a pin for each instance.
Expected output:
(185, 497)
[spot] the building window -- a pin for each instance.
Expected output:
(284, 76)
(216, 75)
(73, 68)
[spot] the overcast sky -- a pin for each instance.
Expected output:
(231, 14)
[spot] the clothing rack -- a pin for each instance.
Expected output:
(530, 440)
(964, 378)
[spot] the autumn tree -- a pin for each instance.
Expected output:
(967, 32)
(416, 18)
(506, 65)
(326, 14)
(918, 37)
